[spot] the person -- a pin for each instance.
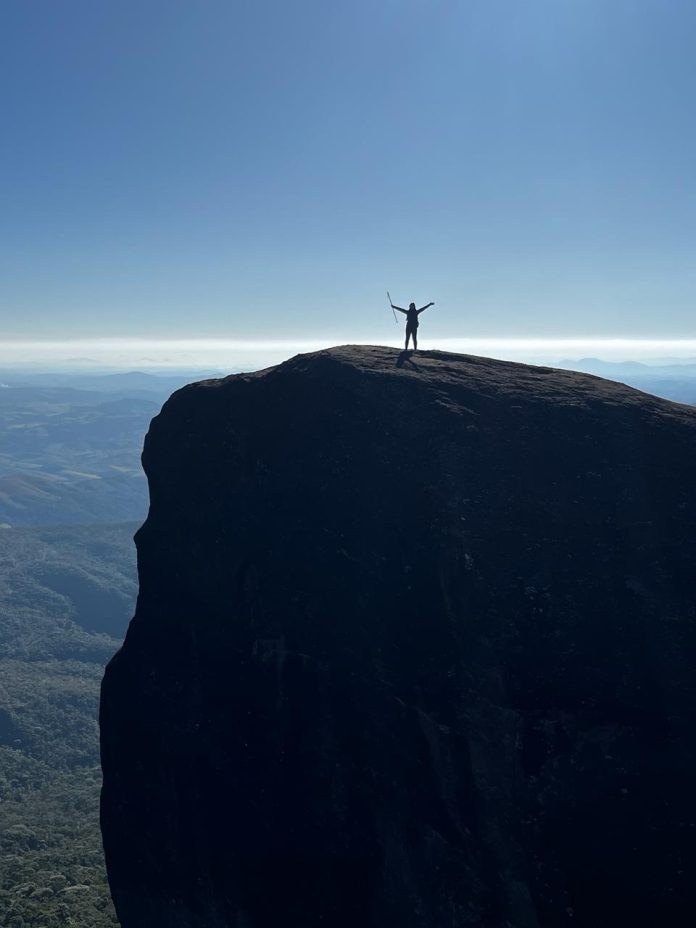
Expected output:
(412, 315)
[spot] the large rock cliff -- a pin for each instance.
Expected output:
(414, 648)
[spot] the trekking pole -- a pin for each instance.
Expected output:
(390, 303)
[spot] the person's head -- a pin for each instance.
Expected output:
(411, 305)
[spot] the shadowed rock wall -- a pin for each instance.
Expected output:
(414, 648)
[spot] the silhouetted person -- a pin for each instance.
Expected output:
(412, 315)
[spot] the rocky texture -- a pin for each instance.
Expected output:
(414, 648)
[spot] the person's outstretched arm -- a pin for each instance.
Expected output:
(404, 311)
(423, 308)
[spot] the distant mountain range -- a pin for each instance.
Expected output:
(613, 370)
(130, 383)
(672, 381)
(71, 443)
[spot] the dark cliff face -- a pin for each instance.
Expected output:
(414, 648)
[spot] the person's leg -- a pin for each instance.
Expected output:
(408, 335)
(415, 339)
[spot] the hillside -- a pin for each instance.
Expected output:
(72, 456)
(66, 596)
(414, 648)
(69, 466)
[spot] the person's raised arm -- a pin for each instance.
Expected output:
(423, 308)
(404, 311)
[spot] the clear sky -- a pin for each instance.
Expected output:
(266, 170)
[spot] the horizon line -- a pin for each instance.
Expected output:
(153, 351)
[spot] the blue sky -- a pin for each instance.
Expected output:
(260, 170)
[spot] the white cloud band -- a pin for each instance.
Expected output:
(226, 353)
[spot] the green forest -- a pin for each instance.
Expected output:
(66, 596)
